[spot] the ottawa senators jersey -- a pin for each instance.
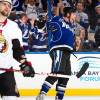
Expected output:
(8, 32)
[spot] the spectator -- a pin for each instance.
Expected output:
(89, 45)
(82, 17)
(97, 29)
(79, 30)
(18, 6)
(90, 10)
(39, 37)
(24, 25)
(78, 46)
(31, 9)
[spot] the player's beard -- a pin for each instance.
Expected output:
(5, 13)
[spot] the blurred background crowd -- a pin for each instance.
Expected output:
(31, 17)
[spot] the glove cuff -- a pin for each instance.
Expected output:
(25, 63)
(23, 60)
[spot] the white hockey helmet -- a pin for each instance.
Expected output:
(10, 1)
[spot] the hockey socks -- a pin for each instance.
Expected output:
(60, 91)
(45, 87)
(60, 95)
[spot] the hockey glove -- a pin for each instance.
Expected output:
(28, 69)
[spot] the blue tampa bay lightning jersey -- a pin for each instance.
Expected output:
(18, 5)
(25, 28)
(60, 34)
(39, 40)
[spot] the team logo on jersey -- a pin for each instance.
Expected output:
(15, 3)
(56, 31)
(3, 44)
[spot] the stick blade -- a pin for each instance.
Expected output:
(82, 70)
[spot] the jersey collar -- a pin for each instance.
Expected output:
(2, 24)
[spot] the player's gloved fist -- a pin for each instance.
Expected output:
(28, 70)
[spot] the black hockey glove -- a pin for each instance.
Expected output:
(28, 70)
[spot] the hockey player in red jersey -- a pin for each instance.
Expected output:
(10, 49)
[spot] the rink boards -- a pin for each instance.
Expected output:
(87, 85)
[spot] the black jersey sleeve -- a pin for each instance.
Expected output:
(18, 51)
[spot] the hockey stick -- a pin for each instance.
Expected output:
(78, 75)
(82, 70)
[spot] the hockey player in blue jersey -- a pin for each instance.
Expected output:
(60, 44)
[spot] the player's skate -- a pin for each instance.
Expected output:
(40, 96)
(56, 98)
